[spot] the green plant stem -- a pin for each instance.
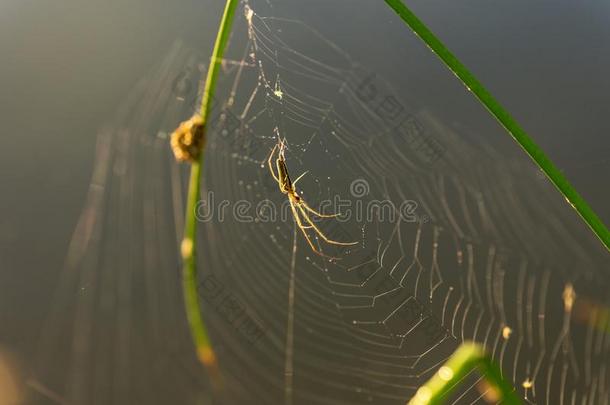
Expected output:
(467, 357)
(189, 246)
(494, 107)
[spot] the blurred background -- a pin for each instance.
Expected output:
(76, 76)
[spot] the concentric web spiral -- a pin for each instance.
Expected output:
(456, 240)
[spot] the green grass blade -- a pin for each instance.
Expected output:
(189, 246)
(513, 128)
(466, 358)
(224, 33)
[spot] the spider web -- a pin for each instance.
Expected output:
(484, 252)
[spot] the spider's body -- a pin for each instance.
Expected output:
(285, 183)
(298, 206)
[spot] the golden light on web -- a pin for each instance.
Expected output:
(569, 295)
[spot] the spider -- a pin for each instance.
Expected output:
(297, 204)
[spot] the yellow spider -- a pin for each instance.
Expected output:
(297, 204)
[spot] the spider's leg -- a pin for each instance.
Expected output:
(270, 165)
(294, 183)
(297, 218)
(319, 232)
(316, 213)
(282, 146)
